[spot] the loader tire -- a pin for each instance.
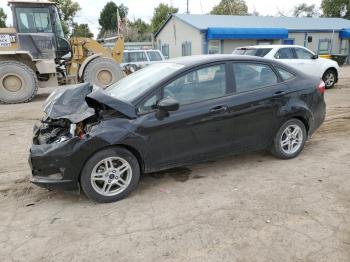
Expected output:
(18, 82)
(103, 72)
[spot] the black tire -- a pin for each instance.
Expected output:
(277, 149)
(103, 72)
(330, 78)
(86, 181)
(18, 82)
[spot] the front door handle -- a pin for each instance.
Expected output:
(279, 93)
(218, 109)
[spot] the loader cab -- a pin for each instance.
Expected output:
(39, 25)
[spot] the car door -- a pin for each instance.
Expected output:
(257, 98)
(306, 62)
(197, 129)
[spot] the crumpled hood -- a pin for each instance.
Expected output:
(78, 102)
(100, 96)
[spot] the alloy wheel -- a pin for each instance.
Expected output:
(111, 176)
(291, 139)
(329, 79)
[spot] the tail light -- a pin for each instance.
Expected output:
(321, 87)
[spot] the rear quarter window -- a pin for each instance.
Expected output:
(285, 75)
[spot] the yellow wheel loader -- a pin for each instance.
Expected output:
(35, 54)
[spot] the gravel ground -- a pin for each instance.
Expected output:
(251, 207)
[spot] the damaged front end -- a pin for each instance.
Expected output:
(65, 110)
(51, 131)
(60, 145)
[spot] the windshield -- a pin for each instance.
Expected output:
(134, 85)
(252, 51)
(33, 20)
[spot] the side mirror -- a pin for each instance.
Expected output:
(165, 105)
(314, 56)
(168, 104)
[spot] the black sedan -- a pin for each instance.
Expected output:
(171, 114)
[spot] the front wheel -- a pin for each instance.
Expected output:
(329, 78)
(110, 175)
(290, 139)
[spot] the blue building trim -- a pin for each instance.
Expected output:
(219, 33)
(311, 30)
(344, 33)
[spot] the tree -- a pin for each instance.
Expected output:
(109, 16)
(3, 17)
(82, 30)
(138, 31)
(230, 7)
(336, 8)
(254, 13)
(160, 15)
(305, 10)
(68, 9)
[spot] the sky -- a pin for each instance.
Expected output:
(144, 8)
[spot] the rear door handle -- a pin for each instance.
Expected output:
(279, 93)
(218, 109)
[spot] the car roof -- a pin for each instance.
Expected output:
(198, 60)
(203, 59)
(140, 50)
(269, 46)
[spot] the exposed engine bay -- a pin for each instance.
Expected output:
(73, 111)
(55, 131)
(52, 131)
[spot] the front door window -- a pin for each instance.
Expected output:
(202, 84)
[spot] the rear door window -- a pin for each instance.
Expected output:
(154, 56)
(303, 54)
(285, 53)
(251, 76)
(137, 57)
(261, 52)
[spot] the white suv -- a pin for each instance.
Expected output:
(296, 56)
(141, 58)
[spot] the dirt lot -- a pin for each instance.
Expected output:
(251, 207)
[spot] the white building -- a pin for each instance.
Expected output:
(184, 34)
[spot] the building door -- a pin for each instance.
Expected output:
(288, 42)
(344, 49)
(214, 47)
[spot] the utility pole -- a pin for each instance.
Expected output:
(188, 10)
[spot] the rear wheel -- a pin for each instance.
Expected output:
(329, 78)
(102, 72)
(110, 175)
(18, 82)
(290, 139)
